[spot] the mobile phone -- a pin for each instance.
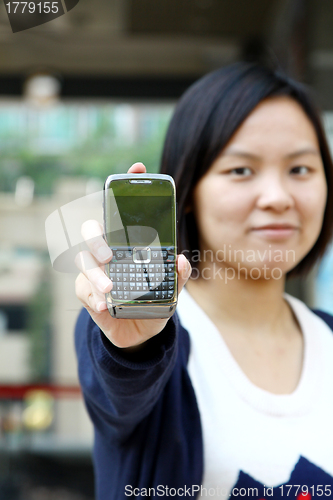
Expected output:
(140, 228)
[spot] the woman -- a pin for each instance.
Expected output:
(229, 397)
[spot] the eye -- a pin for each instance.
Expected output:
(241, 171)
(300, 170)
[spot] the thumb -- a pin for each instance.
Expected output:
(184, 270)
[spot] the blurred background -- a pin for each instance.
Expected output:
(81, 97)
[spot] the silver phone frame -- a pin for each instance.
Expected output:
(152, 309)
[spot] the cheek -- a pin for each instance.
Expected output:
(313, 201)
(216, 203)
(312, 204)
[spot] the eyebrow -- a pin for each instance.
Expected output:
(251, 156)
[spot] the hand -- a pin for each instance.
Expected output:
(92, 284)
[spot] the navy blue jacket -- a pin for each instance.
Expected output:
(145, 414)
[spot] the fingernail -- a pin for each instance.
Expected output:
(101, 306)
(104, 253)
(186, 271)
(103, 282)
(189, 269)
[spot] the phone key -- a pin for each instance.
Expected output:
(112, 268)
(146, 296)
(132, 276)
(132, 288)
(152, 285)
(119, 287)
(157, 295)
(112, 276)
(164, 285)
(171, 267)
(158, 288)
(126, 295)
(170, 294)
(120, 295)
(164, 254)
(119, 268)
(138, 287)
(125, 268)
(158, 276)
(138, 268)
(170, 258)
(170, 287)
(164, 295)
(131, 266)
(125, 277)
(120, 254)
(125, 287)
(119, 278)
(128, 254)
(114, 294)
(155, 255)
(145, 287)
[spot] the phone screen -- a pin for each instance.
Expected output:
(140, 215)
(140, 226)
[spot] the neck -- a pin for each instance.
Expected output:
(250, 305)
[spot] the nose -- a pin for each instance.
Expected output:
(274, 194)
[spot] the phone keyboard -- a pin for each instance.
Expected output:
(153, 280)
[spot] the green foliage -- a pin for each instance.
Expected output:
(103, 150)
(39, 331)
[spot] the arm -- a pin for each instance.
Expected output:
(146, 419)
(122, 387)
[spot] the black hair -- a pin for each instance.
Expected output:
(205, 119)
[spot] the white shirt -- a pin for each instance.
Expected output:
(246, 428)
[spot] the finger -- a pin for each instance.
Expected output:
(88, 265)
(91, 299)
(92, 232)
(137, 168)
(184, 271)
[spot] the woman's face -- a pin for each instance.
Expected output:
(261, 203)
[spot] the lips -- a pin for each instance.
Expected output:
(275, 231)
(275, 226)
